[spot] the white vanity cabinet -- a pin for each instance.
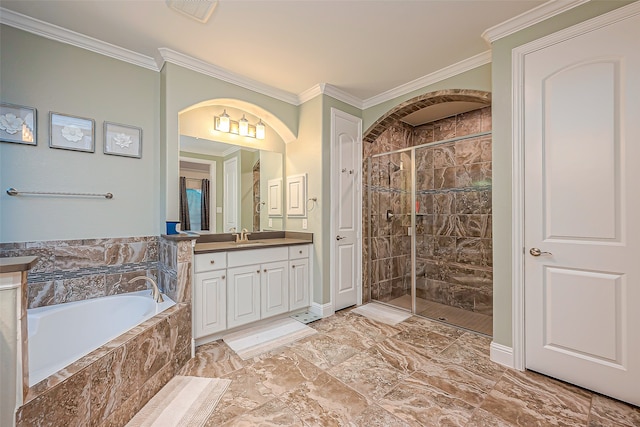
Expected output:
(258, 290)
(243, 297)
(210, 294)
(238, 287)
(298, 277)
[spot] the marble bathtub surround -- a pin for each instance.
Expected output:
(454, 264)
(175, 266)
(417, 373)
(73, 270)
(109, 385)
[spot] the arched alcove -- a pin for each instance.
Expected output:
(420, 103)
(267, 117)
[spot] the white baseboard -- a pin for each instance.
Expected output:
(322, 310)
(501, 354)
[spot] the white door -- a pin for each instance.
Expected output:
(231, 211)
(346, 202)
(582, 203)
(274, 288)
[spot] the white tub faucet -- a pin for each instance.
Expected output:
(155, 292)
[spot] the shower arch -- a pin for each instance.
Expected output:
(424, 101)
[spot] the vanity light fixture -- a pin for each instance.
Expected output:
(243, 126)
(223, 123)
(260, 130)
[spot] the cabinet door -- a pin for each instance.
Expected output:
(243, 295)
(298, 284)
(210, 303)
(275, 288)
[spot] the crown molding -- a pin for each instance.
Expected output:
(202, 67)
(531, 17)
(341, 95)
(54, 32)
(310, 93)
(329, 90)
(435, 77)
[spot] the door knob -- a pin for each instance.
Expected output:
(538, 252)
(340, 237)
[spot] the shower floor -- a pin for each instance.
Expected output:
(477, 322)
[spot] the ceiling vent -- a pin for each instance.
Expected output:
(200, 10)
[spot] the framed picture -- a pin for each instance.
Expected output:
(71, 133)
(18, 124)
(122, 140)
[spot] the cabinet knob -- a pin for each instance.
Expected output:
(293, 266)
(265, 270)
(223, 277)
(300, 252)
(212, 262)
(258, 271)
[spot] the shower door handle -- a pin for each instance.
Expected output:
(538, 252)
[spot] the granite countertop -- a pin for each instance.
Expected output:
(258, 241)
(17, 264)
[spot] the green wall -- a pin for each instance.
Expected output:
(304, 155)
(502, 152)
(53, 76)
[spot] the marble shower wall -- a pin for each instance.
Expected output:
(453, 222)
(73, 270)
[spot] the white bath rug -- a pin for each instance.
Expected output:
(382, 313)
(183, 401)
(257, 340)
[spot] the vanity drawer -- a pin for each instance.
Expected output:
(212, 261)
(257, 256)
(298, 251)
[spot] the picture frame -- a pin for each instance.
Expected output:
(18, 124)
(73, 133)
(122, 140)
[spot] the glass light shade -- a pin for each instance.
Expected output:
(224, 122)
(260, 130)
(244, 126)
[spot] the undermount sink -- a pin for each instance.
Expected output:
(244, 244)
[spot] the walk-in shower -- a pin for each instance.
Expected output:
(428, 220)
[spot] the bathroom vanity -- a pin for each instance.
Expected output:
(237, 283)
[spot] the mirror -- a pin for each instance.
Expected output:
(240, 174)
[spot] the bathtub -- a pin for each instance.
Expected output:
(63, 333)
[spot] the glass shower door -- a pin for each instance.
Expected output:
(390, 228)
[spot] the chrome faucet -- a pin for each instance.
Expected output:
(155, 292)
(244, 236)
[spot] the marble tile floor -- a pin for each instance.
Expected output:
(358, 372)
(455, 316)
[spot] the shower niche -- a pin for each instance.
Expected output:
(427, 200)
